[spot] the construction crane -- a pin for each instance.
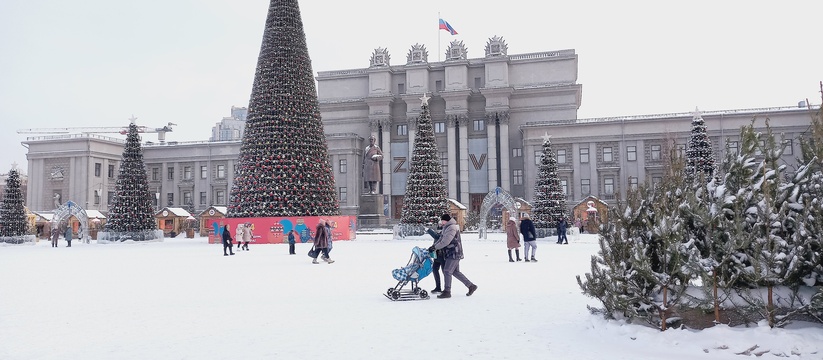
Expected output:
(161, 131)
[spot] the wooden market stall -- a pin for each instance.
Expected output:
(590, 213)
(458, 212)
(171, 220)
(522, 206)
(208, 217)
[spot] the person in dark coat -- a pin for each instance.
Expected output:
(68, 235)
(529, 236)
(292, 236)
(227, 241)
(321, 242)
(438, 263)
(55, 235)
(561, 231)
(450, 242)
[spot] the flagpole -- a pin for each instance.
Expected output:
(438, 36)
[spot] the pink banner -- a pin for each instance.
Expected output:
(275, 230)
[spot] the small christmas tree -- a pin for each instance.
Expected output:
(12, 213)
(426, 197)
(699, 155)
(131, 214)
(549, 199)
(283, 167)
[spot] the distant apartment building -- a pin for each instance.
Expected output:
(232, 127)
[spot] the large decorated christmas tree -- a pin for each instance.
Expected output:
(131, 214)
(549, 200)
(12, 213)
(426, 196)
(699, 155)
(283, 168)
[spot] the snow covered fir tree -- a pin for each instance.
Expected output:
(741, 248)
(131, 216)
(283, 168)
(549, 204)
(426, 196)
(699, 154)
(13, 225)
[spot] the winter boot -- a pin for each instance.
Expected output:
(314, 261)
(436, 290)
(445, 295)
(527, 259)
(510, 256)
(517, 252)
(472, 289)
(533, 259)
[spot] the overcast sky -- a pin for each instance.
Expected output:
(98, 62)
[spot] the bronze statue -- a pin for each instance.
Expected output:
(371, 165)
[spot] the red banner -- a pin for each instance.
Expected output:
(275, 230)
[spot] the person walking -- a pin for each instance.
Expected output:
(438, 263)
(227, 241)
(512, 239)
(453, 248)
(328, 238)
(529, 237)
(55, 235)
(561, 231)
(292, 235)
(68, 235)
(321, 243)
(247, 236)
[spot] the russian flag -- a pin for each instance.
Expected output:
(445, 26)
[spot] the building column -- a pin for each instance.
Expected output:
(505, 154)
(462, 125)
(491, 153)
(452, 154)
(385, 145)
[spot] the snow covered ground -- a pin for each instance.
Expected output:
(182, 299)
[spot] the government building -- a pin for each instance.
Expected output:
(490, 116)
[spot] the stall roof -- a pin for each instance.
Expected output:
(221, 209)
(458, 204)
(176, 211)
(94, 214)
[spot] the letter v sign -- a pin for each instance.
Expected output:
(478, 164)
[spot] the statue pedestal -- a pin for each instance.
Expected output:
(371, 210)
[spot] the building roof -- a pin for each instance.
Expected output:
(175, 211)
(94, 214)
(458, 204)
(221, 209)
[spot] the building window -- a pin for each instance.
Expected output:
(220, 197)
(584, 155)
(631, 153)
(344, 195)
(478, 83)
(204, 172)
(517, 177)
(438, 85)
(155, 174)
(202, 198)
(479, 125)
(608, 186)
(187, 173)
(655, 152)
(538, 157)
(732, 147)
(680, 150)
(170, 197)
(171, 173)
(439, 127)
(187, 198)
(96, 197)
(585, 187)
(111, 171)
(787, 147)
(607, 154)
(565, 185)
(444, 160)
(110, 198)
(561, 156)
(632, 182)
(401, 89)
(402, 130)
(221, 172)
(344, 166)
(98, 168)
(517, 152)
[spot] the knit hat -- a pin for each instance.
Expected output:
(446, 217)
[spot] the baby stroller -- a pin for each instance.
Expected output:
(420, 266)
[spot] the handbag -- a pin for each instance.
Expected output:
(313, 252)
